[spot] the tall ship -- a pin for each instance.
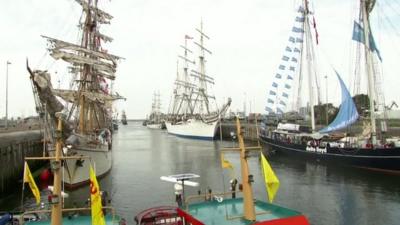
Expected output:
(124, 121)
(352, 138)
(155, 119)
(193, 111)
(87, 103)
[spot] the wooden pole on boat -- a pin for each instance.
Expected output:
(248, 202)
(56, 207)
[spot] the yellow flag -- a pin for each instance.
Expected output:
(225, 163)
(28, 178)
(271, 180)
(95, 199)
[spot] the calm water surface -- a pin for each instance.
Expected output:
(327, 194)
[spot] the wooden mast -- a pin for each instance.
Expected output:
(248, 200)
(371, 85)
(56, 208)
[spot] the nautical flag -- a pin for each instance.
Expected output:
(268, 109)
(300, 19)
(288, 49)
(28, 178)
(299, 40)
(296, 50)
(270, 101)
(278, 110)
(285, 95)
(297, 30)
(292, 68)
(225, 163)
(301, 9)
(289, 77)
(95, 200)
(274, 84)
(292, 39)
(188, 37)
(281, 67)
(285, 58)
(294, 59)
(287, 86)
(278, 76)
(271, 180)
(358, 35)
(272, 92)
(282, 103)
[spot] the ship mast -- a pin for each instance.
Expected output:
(309, 59)
(201, 75)
(365, 7)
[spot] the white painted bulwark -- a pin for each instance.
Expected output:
(193, 128)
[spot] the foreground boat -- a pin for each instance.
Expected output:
(363, 149)
(216, 208)
(88, 100)
(192, 112)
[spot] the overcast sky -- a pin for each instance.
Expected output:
(248, 38)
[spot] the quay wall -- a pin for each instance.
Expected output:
(249, 130)
(14, 147)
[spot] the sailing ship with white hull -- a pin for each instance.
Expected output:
(194, 112)
(369, 149)
(88, 101)
(154, 121)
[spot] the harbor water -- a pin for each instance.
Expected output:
(326, 194)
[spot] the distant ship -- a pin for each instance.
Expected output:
(365, 149)
(88, 101)
(155, 119)
(124, 121)
(193, 110)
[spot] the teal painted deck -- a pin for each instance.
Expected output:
(229, 210)
(80, 220)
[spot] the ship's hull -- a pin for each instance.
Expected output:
(380, 159)
(195, 129)
(154, 126)
(76, 171)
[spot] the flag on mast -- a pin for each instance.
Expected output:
(271, 180)
(28, 178)
(225, 163)
(188, 37)
(95, 199)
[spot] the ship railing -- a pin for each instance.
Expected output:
(208, 197)
(43, 211)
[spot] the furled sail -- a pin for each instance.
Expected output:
(72, 96)
(347, 114)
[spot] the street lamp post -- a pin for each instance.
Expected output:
(6, 122)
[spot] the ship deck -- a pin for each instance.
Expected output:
(81, 220)
(230, 211)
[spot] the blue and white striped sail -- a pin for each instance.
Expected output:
(347, 114)
(281, 87)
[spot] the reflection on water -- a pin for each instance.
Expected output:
(327, 194)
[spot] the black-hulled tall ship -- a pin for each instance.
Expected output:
(341, 141)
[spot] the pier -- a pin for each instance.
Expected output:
(14, 147)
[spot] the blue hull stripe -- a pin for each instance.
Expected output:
(194, 137)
